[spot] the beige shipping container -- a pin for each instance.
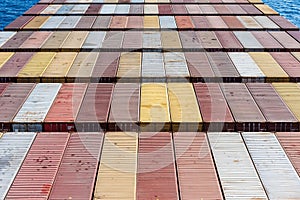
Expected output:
(130, 66)
(151, 22)
(36, 22)
(75, 40)
(170, 40)
(56, 40)
(267, 10)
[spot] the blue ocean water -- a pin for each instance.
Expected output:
(11, 9)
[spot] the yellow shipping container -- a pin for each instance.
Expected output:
(36, 66)
(56, 40)
(151, 22)
(118, 167)
(170, 39)
(4, 57)
(267, 10)
(269, 66)
(184, 108)
(130, 65)
(290, 93)
(36, 22)
(75, 40)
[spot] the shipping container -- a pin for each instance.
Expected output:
(102, 22)
(3, 86)
(189, 40)
(136, 9)
(156, 173)
(289, 64)
(63, 112)
(248, 40)
(130, 65)
(249, 22)
(265, 9)
(118, 22)
(13, 148)
(124, 112)
(238, 176)
(283, 22)
(36, 40)
(290, 93)
(34, 68)
(69, 22)
(245, 111)
(207, 9)
(93, 9)
(153, 68)
(53, 22)
(179, 9)
(233, 22)
(208, 40)
(11, 68)
(106, 67)
(235, 9)
(19, 23)
(154, 109)
(228, 40)
(221, 9)
(64, 9)
(216, 22)
(270, 161)
(36, 23)
(108, 9)
(118, 167)
(290, 143)
(266, 40)
(113, 40)
(74, 40)
(269, 67)
(133, 40)
(151, 22)
(94, 40)
(4, 57)
(94, 110)
(184, 108)
(35, 108)
(192, 9)
(150, 9)
(285, 40)
(247, 67)
(56, 40)
(265, 22)
(51, 9)
(36, 175)
(82, 67)
(200, 21)
(295, 35)
(251, 9)
(184, 22)
(197, 175)
(36, 9)
(135, 22)
(276, 112)
(77, 171)
(165, 9)
(16, 40)
(167, 22)
(12, 100)
(79, 9)
(175, 66)
(213, 106)
(4, 36)
(296, 55)
(151, 40)
(122, 9)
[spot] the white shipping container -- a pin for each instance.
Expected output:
(5, 35)
(248, 40)
(51, 9)
(122, 9)
(13, 150)
(153, 65)
(237, 174)
(151, 40)
(69, 22)
(175, 64)
(266, 22)
(108, 9)
(167, 22)
(38, 103)
(278, 175)
(79, 9)
(137, 1)
(94, 39)
(65, 9)
(150, 9)
(53, 22)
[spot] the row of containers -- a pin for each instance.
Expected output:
(151, 9)
(150, 107)
(150, 41)
(137, 67)
(148, 1)
(147, 165)
(151, 23)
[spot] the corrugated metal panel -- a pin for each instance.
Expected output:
(290, 93)
(288, 63)
(77, 171)
(86, 22)
(36, 40)
(12, 100)
(290, 143)
(208, 39)
(179, 9)
(198, 65)
(175, 65)
(213, 106)
(63, 112)
(216, 22)
(133, 40)
(266, 40)
(266, 22)
(130, 65)
(102, 22)
(153, 66)
(245, 111)
(12, 67)
(56, 40)
(156, 178)
(36, 22)
(249, 22)
(151, 22)
(167, 22)
(151, 40)
(118, 22)
(16, 40)
(94, 40)
(36, 176)
(122, 9)
(233, 22)
(82, 67)
(285, 39)
(150, 9)
(282, 22)
(13, 148)
(184, 22)
(108, 9)
(193, 9)
(53, 22)
(247, 67)
(69, 22)
(269, 66)
(266, 9)
(124, 113)
(189, 40)
(4, 36)
(35, 108)
(4, 57)
(208, 9)
(51, 9)
(136, 9)
(75, 40)
(135, 22)
(154, 110)
(79, 9)
(113, 40)
(170, 40)
(196, 171)
(118, 167)
(165, 9)
(270, 160)
(238, 176)
(228, 40)
(36, 66)
(273, 107)
(184, 108)
(248, 40)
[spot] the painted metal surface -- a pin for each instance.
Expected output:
(175, 65)
(248, 40)
(129, 66)
(153, 66)
(4, 36)
(288, 63)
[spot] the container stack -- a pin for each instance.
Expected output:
(150, 99)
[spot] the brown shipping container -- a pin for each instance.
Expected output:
(285, 39)
(156, 177)
(77, 171)
(65, 107)
(17, 40)
(36, 9)
(197, 175)
(228, 40)
(250, 9)
(184, 22)
(165, 9)
(118, 22)
(93, 9)
(135, 22)
(233, 22)
(200, 21)
(102, 22)
(94, 110)
(245, 111)
(12, 100)
(213, 106)
(295, 35)
(19, 23)
(282, 22)
(133, 40)
(40, 167)
(36, 40)
(276, 112)
(86, 22)
(267, 40)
